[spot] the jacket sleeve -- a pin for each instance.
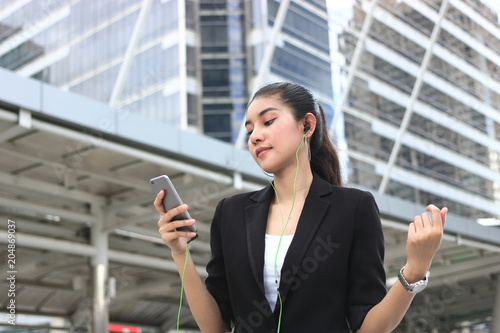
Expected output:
(216, 281)
(366, 274)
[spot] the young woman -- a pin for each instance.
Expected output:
(303, 254)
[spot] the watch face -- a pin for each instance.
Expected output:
(419, 287)
(413, 287)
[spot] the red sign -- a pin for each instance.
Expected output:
(123, 329)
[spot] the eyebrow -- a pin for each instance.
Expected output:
(263, 112)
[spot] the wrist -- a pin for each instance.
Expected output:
(412, 287)
(411, 275)
(178, 256)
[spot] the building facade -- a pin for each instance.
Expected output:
(418, 105)
(234, 38)
(182, 62)
(421, 113)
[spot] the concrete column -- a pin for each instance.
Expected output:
(495, 320)
(99, 268)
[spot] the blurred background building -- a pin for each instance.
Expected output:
(185, 63)
(411, 90)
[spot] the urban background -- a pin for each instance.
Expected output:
(100, 96)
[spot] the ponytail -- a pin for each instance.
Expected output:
(324, 158)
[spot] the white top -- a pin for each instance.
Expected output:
(272, 242)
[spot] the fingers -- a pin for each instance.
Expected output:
(437, 216)
(433, 218)
(444, 211)
(166, 225)
(166, 218)
(158, 202)
(169, 229)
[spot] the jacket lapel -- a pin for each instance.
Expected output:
(313, 213)
(256, 221)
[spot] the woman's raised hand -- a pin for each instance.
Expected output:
(424, 238)
(175, 240)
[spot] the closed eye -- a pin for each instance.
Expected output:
(269, 122)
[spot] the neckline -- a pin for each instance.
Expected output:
(278, 236)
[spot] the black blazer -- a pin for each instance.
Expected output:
(332, 274)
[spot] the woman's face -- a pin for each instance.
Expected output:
(274, 134)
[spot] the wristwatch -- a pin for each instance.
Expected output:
(413, 287)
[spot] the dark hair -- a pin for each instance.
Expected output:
(324, 158)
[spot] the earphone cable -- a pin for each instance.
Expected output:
(283, 228)
(182, 288)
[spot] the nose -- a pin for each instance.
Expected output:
(255, 136)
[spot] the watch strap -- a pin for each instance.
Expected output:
(415, 287)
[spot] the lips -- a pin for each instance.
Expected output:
(261, 150)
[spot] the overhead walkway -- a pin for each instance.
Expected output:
(74, 183)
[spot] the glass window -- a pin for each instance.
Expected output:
(214, 33)
(192, 110)
(303, 25)
(216, 77)
(218, 126)
(302, 67)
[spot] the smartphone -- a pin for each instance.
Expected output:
(172, 200)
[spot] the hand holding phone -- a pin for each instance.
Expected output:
(171, 199)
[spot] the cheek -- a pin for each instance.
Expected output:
(286, 132)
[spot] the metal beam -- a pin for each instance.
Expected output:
(442, 277)
(438, 151)
(265, 64)
(165, 287)
(461, 34)
(133, 153)
(431, 185)
(148, 261)
(129, 53)
(60, 169)
(127, 258)
(56, 191)
(22, 126)
(141, 200)
(154, 237)
(11, 132)
(44, 211)
(413, 98)
(356, 57)
(49, 244)
(396, 96)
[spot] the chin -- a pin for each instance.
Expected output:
(270, 170)
(265, 168)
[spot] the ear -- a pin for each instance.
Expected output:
(309, 124)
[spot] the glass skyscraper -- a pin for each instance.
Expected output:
(426, 91)
(183, 62)
(422, 123)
